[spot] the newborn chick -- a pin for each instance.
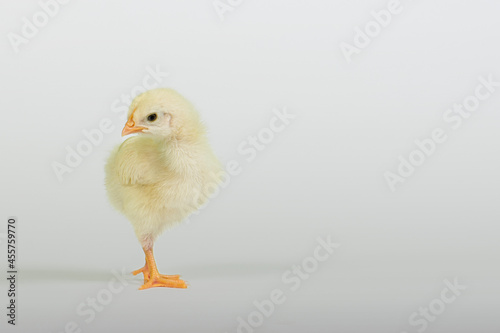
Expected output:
(162, 175)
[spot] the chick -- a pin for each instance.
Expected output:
(162, 175)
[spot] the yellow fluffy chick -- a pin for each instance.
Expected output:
(162, 175)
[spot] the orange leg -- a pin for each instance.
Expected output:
(152, 278)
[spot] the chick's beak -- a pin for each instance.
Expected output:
(131, 128)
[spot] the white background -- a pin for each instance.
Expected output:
(323, 175)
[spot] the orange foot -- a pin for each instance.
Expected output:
(152, 278)
(159, 281)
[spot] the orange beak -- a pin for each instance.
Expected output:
(130, 126)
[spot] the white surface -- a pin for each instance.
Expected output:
(322, 175)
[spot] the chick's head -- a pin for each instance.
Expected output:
(162, 112)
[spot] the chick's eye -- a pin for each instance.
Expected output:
(152, 117)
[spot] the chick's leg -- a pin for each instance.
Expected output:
(153, 278)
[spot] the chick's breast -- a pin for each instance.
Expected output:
(156, 185)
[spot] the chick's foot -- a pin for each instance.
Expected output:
(160, 281)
